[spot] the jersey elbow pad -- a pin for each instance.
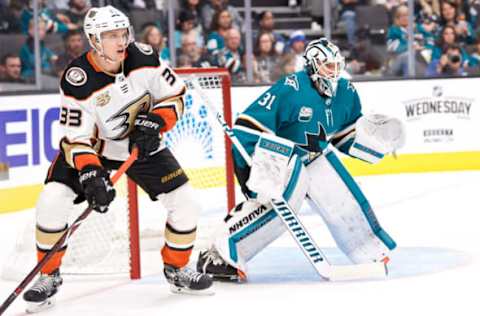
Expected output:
(170, 110)
(78, 155)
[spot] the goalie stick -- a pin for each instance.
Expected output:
(293, 224)
(70, 231)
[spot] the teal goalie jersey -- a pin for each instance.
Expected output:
(294, 109)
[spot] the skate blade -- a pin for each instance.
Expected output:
(240, 277)
(182, 290)
(33, 307)
(226, 278)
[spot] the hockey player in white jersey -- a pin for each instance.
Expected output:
(116, 96)
(289, 132)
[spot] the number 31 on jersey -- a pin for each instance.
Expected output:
(267, 100)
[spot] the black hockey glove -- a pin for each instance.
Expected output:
(97, 187)
(146, 134)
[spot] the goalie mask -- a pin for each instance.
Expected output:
(324, 63)
(104, 19)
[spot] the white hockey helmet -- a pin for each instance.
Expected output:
(324, 63)
(104, 19)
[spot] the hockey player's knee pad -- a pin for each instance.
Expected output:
(182, 207)
(54, 205)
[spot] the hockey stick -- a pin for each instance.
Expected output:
(293, 224)
(70, 231)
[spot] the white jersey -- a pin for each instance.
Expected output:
(98, 109)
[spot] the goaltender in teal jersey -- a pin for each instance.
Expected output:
(290, 131)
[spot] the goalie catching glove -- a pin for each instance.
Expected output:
(146, 134)
(97, 187)
(376, 136)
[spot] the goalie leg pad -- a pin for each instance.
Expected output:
(346, 211)
(272, 162)
(251, 226)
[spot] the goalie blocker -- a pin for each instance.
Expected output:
(253, 224)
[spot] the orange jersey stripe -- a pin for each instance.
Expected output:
(169, 116)
(83, 160)
(92, 62)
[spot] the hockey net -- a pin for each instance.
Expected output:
(111, 243)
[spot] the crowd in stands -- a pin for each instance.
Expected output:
(445, 38)
(211, 33)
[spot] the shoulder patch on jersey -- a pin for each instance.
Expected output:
(76, 76)
(305, 114)
(345, 84)
(350, 86)
(291, 80)
(103, 98)
(144, 48)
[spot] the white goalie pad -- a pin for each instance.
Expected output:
(346, 211)
(269, 169)
(376, 136)
(252, 226)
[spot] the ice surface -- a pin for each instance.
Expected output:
(434, 218)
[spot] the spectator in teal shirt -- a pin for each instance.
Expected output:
(231, 56)
(452, 17)
(53, 23)
(152, 36)
(221, 24)
(397, 46)
(427, 27)
(397, 36)
(27, 53)
(186, 26)
(474, 60)
(448, 37)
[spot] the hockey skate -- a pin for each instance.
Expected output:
(211, 263)
(41, 295)
(187, 281)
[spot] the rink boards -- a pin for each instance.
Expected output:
(441, 116)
